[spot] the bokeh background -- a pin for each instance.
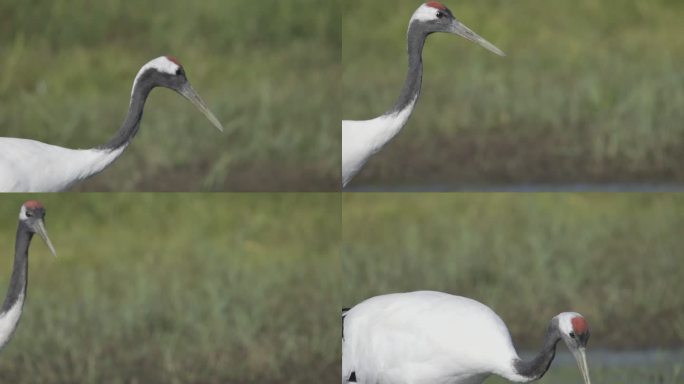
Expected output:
(591, 92)
(178, 288)
(268, 69)
(615, 258)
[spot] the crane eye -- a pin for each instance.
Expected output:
(572, 334)
(179, 72)
(29, 214)
(440, 14)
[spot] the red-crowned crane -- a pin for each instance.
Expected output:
(31, 222)
(32, 166)
(436, 338)
(362, 139)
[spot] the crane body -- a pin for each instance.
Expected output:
(430, 337)
(56, 169)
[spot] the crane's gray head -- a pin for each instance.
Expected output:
(434, 17)
(32, 216)
(574, 331)
(167, 71)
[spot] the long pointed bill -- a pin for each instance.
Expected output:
(459, 29)
(40, 230)
(194, 98)
(581, 357)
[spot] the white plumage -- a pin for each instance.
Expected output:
(425, 338)
(32, 166)
(9, 320)
(363, 139)
(430, 337)
(162, 64)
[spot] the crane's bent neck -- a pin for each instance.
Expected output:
(536, 368)
(95, 160)
(14, 301)
(141, 89)
(75, 165)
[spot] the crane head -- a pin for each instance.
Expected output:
(167, 71)
(32, 215)
(434, 16)
(574, 331)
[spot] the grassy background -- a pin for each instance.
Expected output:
(178, 289)
(268, 69)
(617, 259)
(591, 91)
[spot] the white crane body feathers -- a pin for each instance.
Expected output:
(363, 139)
(425, 338)
(33, 166)
(9, 320)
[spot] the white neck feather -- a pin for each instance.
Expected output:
(92, 162)
(388, 126)
(9, 320)
(363, 139)
(52, 169)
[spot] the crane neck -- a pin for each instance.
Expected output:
(536, 368)
(379, 131)
(416, 36)
(130, 126)
(19, 279)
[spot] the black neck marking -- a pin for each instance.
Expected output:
(417, 33)
(19, 280)
(537, 367)
(143, 86)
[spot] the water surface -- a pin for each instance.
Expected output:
(531, 187)
(615, 367)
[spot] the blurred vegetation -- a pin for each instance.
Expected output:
(591, 91)
(615, 258)
(268, 69)
(169, 288)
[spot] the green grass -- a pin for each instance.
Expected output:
(591, 91)
(169, 288)
(268, 69)
(615, 258)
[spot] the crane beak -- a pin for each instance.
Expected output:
(190, 94)
(459, 29)
(581, 357)
(42, 232)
